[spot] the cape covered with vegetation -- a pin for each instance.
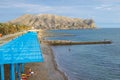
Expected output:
(8, 28)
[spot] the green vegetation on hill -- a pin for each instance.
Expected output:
(8, 28)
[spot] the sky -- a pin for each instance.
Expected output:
(106, 13)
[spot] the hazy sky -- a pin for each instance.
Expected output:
(102, 11)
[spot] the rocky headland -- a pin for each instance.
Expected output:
(50, 21)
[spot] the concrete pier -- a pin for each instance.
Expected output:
(67, 42)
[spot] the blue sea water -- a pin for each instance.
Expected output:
(89, 62)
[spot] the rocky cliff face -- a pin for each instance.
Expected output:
(48, 21)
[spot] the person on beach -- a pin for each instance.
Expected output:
(30, 72)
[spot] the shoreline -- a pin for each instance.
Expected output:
(48, 70)
(56, 66)
(42, 35)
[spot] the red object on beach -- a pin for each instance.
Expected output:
(24, 77)
(0, 35)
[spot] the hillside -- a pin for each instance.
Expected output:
(8, 28)
(48, 21)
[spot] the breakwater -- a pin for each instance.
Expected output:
(67, 42)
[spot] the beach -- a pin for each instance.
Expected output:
(48, 70)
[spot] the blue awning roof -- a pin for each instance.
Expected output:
(23, 49)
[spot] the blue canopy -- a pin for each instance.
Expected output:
(23, 49)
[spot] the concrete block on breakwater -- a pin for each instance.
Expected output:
(67, 42)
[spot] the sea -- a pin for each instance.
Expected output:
(88, 62)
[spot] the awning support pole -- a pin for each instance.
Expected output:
(23, 67)
(2, 72)
(12, 72)
(19, 72)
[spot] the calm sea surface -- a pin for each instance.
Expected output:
(89, 62)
